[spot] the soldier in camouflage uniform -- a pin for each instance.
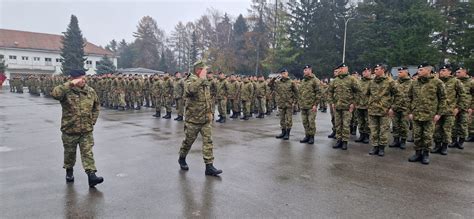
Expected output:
(120, 92)
(147, 90)
(198, 118)
(343, 92)
(331, 109)
(269, 98)
(221, 95)
(156, 92)
(286, 95)
(167, 95)
(461, 127)
(80, 106)
(309, 97)
(178, 93)
(260, 95)
(246, 96)
(400, 123)
(456, 100)
(213, 90)
(323, 104)
(361, 107)
(427, 102)
(355, 118)
(233, 91)
(382, 93)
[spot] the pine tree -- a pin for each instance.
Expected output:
(147, 42)
(2, 64)
(105, 66)
(193, 56)
(72, 52)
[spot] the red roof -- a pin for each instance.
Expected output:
(41, 41)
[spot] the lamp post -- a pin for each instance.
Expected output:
(345, 34)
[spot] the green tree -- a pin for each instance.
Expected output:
(240, 28)
(2, 64)
(147, 41)
(105, 66)
(72, 51)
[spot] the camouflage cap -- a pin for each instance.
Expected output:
(199, 64)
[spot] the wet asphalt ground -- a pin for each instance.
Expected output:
(263, 177)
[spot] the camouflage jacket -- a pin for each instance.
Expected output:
(178, 88)
(234, 89)
(261, 89)
(427, 97)
(222, 89)
(286, 92)
(343, 91)
(198, 100)
(403, 85)
(246, 93)
(80, 108)
(213, 87)
(167, 87)
(468, 89)
(362, 100)
(309, 92)
(382, 93)
(455, 95)
(156, 88)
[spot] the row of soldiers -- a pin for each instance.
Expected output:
(36, 84)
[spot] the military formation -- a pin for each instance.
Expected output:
(433, 105)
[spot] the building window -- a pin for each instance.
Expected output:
(88, 64)
(36, 59)
(12, 57)
(24, 58)
(48, 61)
(59, 60)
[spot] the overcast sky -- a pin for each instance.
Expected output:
(104, 20)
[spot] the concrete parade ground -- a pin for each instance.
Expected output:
(263, 177)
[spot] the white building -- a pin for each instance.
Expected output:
(39, 53)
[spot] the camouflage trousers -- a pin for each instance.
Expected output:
(261, 105)
(167, 102)
(443, 129)
(333, 121)
(222, 106)
(308, 117)
(342, 119)
(269, 104)
(120, 101)
(379, 129)
(423, 134)
(235, 105)
(85, 142)
(246, 106)
(354, 119)
(323, 103)
(461, 123)
(213, 106)
(146, 96)
(400, 125)
(191, 132)
(179, 106)
(363, 121)
(286, 117)
(157, 100)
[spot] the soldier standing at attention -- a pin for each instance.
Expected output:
(331, 110)
(246, 95)
(343, 93)
(260, 94)
(167, 95)
(427, 98)
(461, 128)
(309, 96)
(400, 122)
(80, 109)
(198, 118)
(286, 95)
(156, 92)
(382, 93)
(178, 95)
(222, 92)
(456, 100)
(362, 112)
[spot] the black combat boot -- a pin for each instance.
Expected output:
(403, 143)
(69, 175)
(138, 107)
(245, 117)
(425, 157)
(460, 144)
(416, 157)
(311, 139)
(354, 130)
(157, 114)
(121, 108)
(437, 148)
(220, 119)
(180, 118)
(167, 116)
(212, 171)
(470, 138)
(444, 149)
(182, 163)
(361, 138)
(381, 151)
(223, 119)
(332, 135)
(94, 180)
(366, 139)
(269, 112)
(344, 145)
(324, 110)
(305, 139)
(338, 144)
(454, 143)
(374, 150)
(396, 143)
(283, 133)
(175, 119)
(287, 134)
